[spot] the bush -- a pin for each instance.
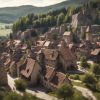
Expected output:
(12, 96)
(83, 62)
(20, 85)
(75, 77)
(96, 69)
(65, 91)
(90, 81)
(16, 96)
(28, 96)
(98, 86)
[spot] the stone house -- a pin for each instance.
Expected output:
(67, 36)
(51, 57)
(58, 79)
(51, 79)
(13, 69)
(66, 57)
(31, 71)
(46, 76)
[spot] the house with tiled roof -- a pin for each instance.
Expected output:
(51, 79)
(13, 69)
(67, 36)
(58, 79)
(51, 57)
(66, 57)
(31, 71)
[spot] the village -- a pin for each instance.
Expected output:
(53, 56)
(47, 59)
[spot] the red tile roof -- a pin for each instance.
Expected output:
(29, 68)
(50, 54)
(49, 72)
(58, 79)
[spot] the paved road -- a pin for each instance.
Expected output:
(86, 92)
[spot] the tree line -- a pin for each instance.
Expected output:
(53, 18)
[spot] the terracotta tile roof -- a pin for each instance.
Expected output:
(82, 46)
(29, 68)
(58, 79)
(50, 54)
(95, 52)
(40, 43)
(66, 53)
(49, 72)
(47, 43)
(7, 62)
(67, 33)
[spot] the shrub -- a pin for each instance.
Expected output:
(96, 69)
(75, 77)
(12, 96)
(90, 81)
(20, 85)
(16, 96)
(65, 91)
(98, 86)
(83, 62)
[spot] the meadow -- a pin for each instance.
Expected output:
(5, 29)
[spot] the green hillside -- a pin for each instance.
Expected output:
(10, 14)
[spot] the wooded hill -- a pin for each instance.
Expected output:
(10, 14)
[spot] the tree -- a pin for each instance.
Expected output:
(96, 69)
(65, 91)
(60, 19)
(83, 62)
(90, 81)
(20, 85)
(75, 38)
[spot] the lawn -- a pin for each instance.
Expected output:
(97, 95)
(4, 31)
(77, 95)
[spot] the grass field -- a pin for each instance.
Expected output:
(4, 31)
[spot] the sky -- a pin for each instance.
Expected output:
(39, 3)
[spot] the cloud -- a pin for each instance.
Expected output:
(7, 3)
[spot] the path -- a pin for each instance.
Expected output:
(86, 92)
(39, 92)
